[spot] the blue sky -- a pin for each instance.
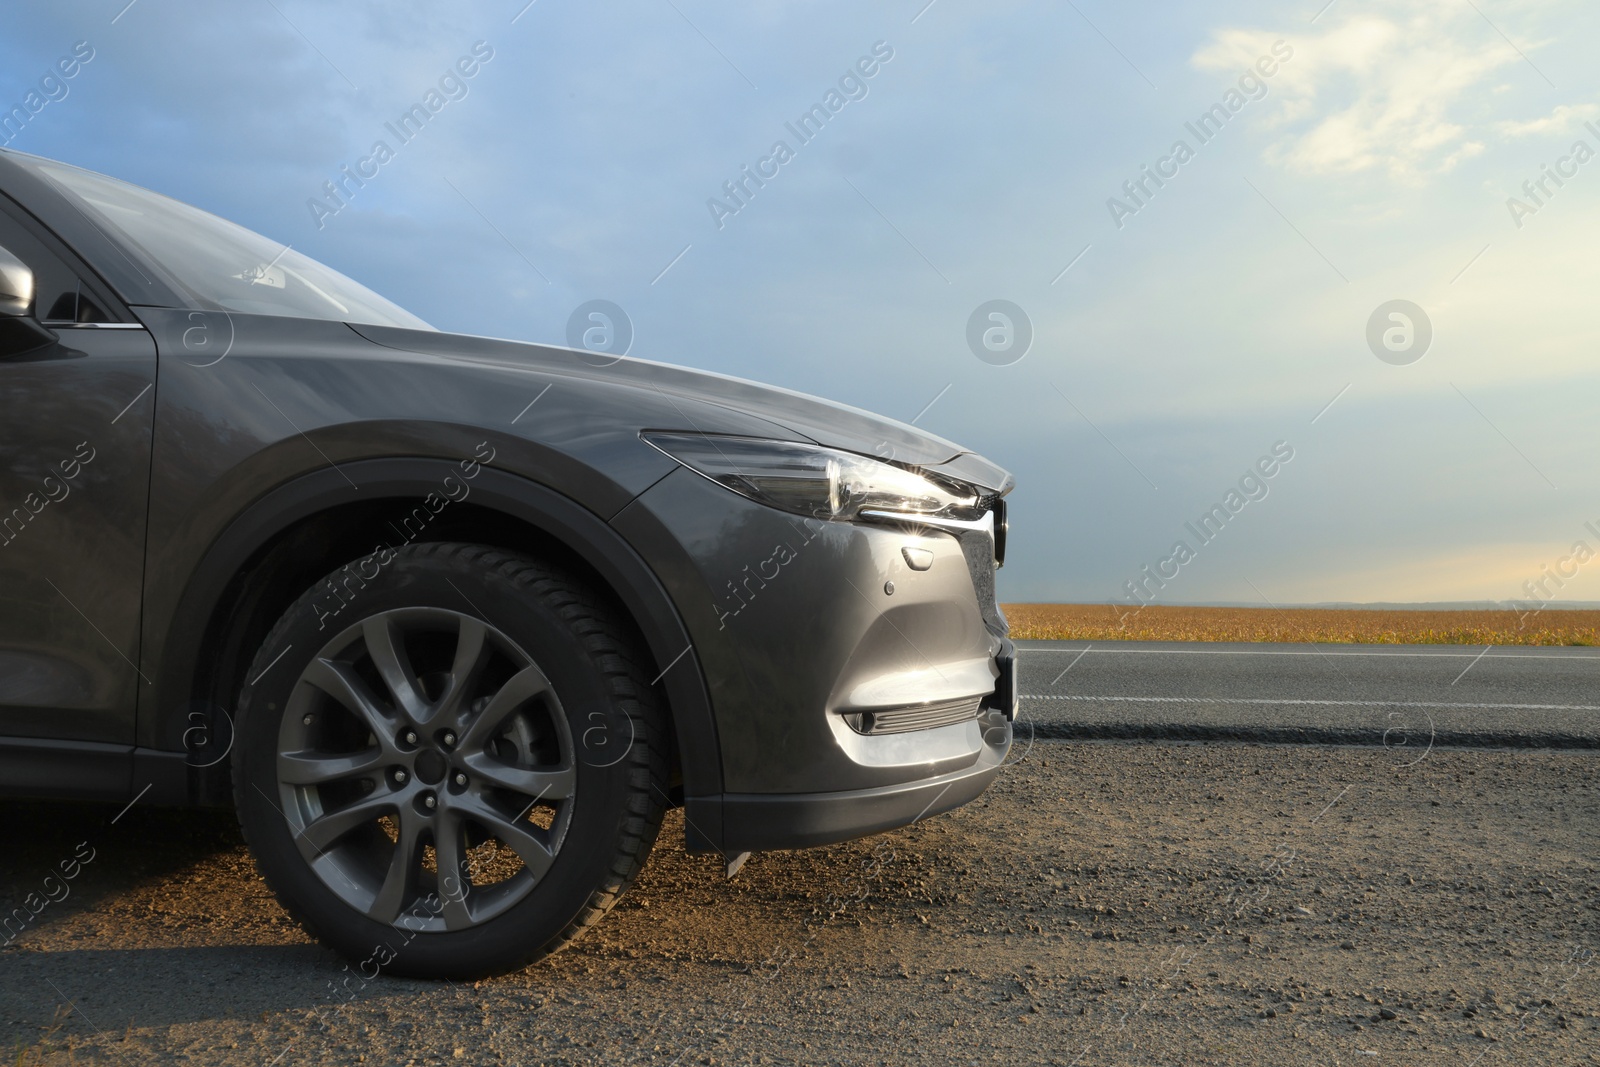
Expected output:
(1214, 316)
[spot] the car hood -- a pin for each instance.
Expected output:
(823, 422)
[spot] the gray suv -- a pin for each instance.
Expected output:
(451, 621)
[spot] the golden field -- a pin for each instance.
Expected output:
(1101, 622)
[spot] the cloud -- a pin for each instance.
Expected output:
(1399, 95)
(1563, 119)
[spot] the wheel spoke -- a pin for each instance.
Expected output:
(389, 656)
(543, 784)
(400, 882)
(409, 841)
(450, 858)
(517, 836)
(526, 683)
(469, 662)
(308, 768)
(341, 682)
(323, 832)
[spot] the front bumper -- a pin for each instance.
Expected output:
(808, 631)
(751, 822)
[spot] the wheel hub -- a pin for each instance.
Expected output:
(431, 766)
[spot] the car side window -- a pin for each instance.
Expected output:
(59, 295)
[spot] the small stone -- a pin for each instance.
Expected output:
(1348, 946)
(1387, 1014)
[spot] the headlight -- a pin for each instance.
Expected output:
(824, 483)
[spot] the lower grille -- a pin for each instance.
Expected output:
(913, 717)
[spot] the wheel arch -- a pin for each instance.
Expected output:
(302, 530)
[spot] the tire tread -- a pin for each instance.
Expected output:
(618, 654)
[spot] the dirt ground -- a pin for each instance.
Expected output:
(1103, 622)
(1104, 903)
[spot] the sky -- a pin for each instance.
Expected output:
(1183, 336)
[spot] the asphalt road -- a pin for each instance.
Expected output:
(1398, 696)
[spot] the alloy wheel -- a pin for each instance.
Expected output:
(426, 769)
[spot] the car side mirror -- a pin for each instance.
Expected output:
(20, 332)
(16, 286)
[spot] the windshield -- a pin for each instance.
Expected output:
(221, 264)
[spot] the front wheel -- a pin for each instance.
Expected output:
(448, 764)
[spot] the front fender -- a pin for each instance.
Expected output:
(181, 632)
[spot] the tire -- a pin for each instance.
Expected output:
(400, 714)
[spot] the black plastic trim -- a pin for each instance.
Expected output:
(73, 770)
(91, 770)
(1005, 698)
(754, 822)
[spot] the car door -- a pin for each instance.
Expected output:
(76, 418)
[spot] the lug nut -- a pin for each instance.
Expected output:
(411, 737)
(307, 720)
(429, 802)
(461, 779)
(400, 776)
(449, 738)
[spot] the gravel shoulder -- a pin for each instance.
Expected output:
(1104, 903)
